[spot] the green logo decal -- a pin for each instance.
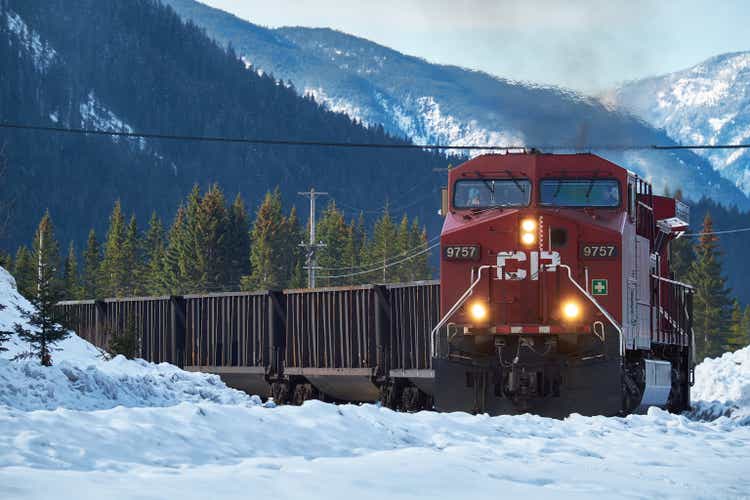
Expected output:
(599, 287)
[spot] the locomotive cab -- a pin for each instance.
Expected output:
(551, 267)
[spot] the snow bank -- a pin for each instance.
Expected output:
(722, 387)
(318, 450)
(83, 378)
(90, 427)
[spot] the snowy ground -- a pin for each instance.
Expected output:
(92, 428)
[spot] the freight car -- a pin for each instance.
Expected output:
(360, 343)
(555, 296)
(556, 290)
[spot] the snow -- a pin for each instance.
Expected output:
(41, 52)
(423, 120)
(95, 428)
(705, 104)
(97, 116)
(84, 378)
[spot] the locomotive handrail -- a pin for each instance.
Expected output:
(673, 282)
(462, 300)
(455, 307)
(598, 306)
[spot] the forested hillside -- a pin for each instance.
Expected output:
(113, 65)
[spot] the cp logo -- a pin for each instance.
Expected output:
(550, 261)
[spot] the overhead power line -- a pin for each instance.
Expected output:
(360, 145)
(380, 268)
(406, 252)
(725, 231)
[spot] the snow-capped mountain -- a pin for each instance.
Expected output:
(438, 104)
(708, 103)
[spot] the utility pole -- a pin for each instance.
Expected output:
(312, 246)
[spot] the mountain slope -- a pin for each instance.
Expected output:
(136, 66)
(708, 103)
(445, 104)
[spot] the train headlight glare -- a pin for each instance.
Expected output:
(528, 225)
(528, 238)
(478, 311)
(571, 310)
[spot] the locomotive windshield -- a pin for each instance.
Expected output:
(579, 192)
(487, 193)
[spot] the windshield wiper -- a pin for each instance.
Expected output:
(591, 184)
(557, 189)
(515, 181)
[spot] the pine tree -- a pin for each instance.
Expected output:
(738, 335)
(268, 242)
(6, 261)
(24, 272)
(382, 249)
(421, 260)
(332, 231)
(45, 249)
(43, 332)
(711, 304)
(746, 326)
(132, 256)
(170, 280)
(211, 253)
(293, 253)
(238, 243)
(114, 270)
(190, 273)
(71, 280)
(91, 268)
(153, 253)
(403, 271)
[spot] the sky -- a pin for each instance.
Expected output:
(587, 45)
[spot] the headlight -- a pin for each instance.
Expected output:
(571, 310)
(528, 238)
(528, 231)
(478, 311)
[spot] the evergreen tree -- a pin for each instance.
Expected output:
(91, 267)
(294, 255)
(153, 250)
(190, 270)
(132, 257)
(403, 271)
(333, 232)
(711, 304)
(6, 261)
(170, 279)
(211, 244)
(43, 332)
(739, 334)
(71, 280)
(238, 243)
(420, 263)
(46, 250)
(269, 240)
(746, 325)
(24, 272)
(114, 269)
(381, 249)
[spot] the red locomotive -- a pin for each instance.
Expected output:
(556, 290)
